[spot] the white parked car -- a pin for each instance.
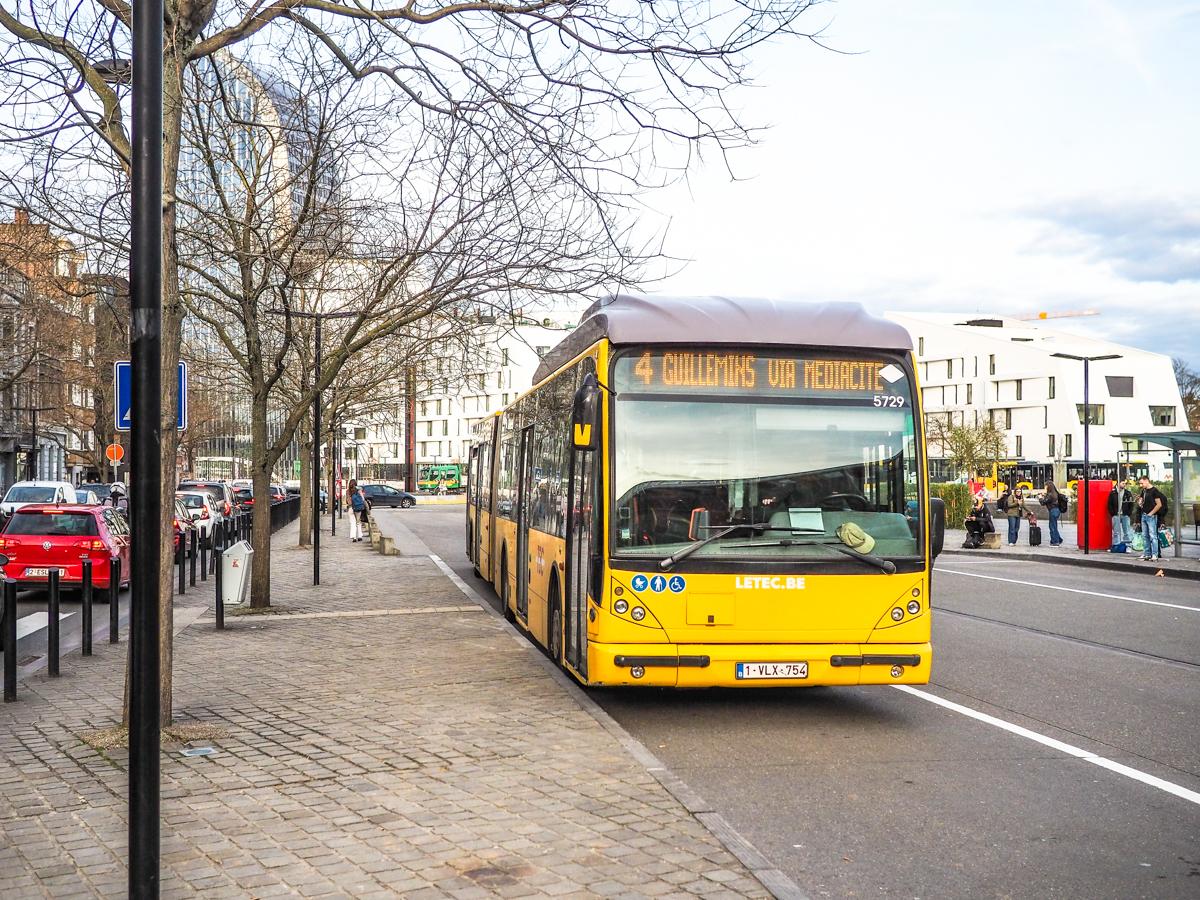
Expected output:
(203, 509)
(26, 492)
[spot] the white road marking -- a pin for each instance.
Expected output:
(1069, 749)
(35, 622)
(1055, 587)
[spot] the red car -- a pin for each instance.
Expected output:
(42, 536)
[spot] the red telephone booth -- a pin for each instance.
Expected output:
(1094, 509)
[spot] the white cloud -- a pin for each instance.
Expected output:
(1009, 158)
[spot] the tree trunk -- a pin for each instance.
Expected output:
(172, 321)
(306, 524)
(260, 569)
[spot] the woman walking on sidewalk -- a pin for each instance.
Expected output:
(358, 506)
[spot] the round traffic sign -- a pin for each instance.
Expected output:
(114, 453)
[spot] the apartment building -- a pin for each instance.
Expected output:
(972, 368)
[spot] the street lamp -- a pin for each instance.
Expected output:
(1087, 417)
(143, 71)
(318, 318)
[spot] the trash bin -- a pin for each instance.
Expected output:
(235, 573)
(1095, 509)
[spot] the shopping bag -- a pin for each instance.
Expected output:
(1166, 537)
(1139, 543)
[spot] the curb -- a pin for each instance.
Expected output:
(772, 879)
(1089, 563)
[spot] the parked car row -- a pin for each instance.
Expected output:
(57, 525)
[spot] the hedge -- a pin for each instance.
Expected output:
(957, 498)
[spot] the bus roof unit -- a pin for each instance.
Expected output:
(629, 319)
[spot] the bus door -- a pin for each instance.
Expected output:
(473, 510)
(476, 487)
(580, 541)
(524, 490)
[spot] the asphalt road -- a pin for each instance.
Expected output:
(1067, 763)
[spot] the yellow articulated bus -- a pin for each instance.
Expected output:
(701, 492)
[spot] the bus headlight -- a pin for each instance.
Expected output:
(637, 671)
(637, 614)
(913, 607)
(897, 614)
(621, 606)
(897, 671)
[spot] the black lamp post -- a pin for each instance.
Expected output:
(1087, 419)
(144, 72)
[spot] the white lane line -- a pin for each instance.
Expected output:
(1069, 749)
(1055, 587)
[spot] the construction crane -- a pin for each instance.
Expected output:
(1067, 314)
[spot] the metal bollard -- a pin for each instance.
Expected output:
(52, 629)
(182, 561)
(85, 588)
(10, 640)
(195, 542)
(204, 554)
(220, 609)
(114, 600)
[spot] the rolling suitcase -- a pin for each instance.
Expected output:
(1035, 535)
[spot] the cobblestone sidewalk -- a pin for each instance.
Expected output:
(384, 737)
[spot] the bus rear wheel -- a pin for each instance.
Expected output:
(508, 613)
(554, 625)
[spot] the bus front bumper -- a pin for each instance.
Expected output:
(758, 665)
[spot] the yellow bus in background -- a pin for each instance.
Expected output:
(706, 491)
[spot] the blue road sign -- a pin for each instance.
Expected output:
(123, 392)
(640, 582)
(677, 584)
(658, 584)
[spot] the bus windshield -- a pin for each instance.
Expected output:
(796, 444)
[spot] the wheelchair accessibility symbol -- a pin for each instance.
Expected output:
(640, 582)
(676, 584)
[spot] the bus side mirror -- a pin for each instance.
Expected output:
(937, 525)
(584, 414)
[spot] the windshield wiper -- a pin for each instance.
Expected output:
(883, 565)
(666, 564)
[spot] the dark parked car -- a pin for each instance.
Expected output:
(244, 499)
(386, 495)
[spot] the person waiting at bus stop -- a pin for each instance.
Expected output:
(978, 522)
(1012, 504)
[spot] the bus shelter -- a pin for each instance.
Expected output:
(1186, 480)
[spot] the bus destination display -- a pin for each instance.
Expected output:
(708, 372)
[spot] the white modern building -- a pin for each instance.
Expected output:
(454, 395)
(973, 367)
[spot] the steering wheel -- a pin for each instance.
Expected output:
(855, 502)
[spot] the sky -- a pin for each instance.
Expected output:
(1008, 158)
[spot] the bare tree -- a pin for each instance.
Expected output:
(1188, 380)
(968, 448)
(614, 96)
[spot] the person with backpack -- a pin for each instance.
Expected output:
(1055, 504)
(358, 509)
(1154, 507)
(1012, 504)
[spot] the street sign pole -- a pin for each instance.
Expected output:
(145, 279)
